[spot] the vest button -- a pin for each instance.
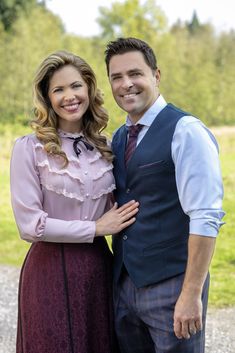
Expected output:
(124, 237)
(128, 191)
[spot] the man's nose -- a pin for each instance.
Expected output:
(127, 82)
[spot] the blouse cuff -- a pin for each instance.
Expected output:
(69, 231)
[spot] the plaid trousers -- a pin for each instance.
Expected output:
(144, 317)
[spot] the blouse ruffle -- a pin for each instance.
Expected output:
(71, 180)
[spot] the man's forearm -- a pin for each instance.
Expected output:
(200, 252)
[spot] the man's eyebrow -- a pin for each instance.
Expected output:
(128, 72)
(134, 70)
(115, 74)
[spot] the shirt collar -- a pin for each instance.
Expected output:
(151, 113)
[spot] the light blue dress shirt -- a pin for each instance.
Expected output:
(198, 177)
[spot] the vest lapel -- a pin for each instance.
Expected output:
(119, 150)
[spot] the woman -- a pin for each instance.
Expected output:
(61, 182)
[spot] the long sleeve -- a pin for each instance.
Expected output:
(198, 176)
(27, 202)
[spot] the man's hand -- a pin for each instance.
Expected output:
(187, 315)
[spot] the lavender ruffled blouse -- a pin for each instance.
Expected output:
(56, 204)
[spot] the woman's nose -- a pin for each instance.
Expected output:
(69, 96)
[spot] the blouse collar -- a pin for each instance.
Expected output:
(69, 134)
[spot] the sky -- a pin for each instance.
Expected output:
(79, 16)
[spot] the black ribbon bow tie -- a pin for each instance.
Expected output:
(76, 141)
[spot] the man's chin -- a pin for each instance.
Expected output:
(128, 107)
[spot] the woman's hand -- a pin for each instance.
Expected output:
(117, 219)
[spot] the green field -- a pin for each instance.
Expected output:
(222, 292)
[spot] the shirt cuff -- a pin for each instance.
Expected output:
(208, 228)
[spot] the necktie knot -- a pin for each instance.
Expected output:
(134, 130)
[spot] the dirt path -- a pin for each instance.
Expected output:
(220, 337)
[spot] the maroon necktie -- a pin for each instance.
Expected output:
(131, 144)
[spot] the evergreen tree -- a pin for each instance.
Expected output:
(194, 25)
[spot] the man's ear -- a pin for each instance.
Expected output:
(158, 76)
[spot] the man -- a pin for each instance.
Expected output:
(161, 261)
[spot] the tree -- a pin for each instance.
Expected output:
(225, 84)
(30, 40)
(132, 19)
(10, 10)
(194, 25)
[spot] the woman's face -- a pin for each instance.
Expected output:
(68, 94)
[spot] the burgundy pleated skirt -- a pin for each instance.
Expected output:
(65, 299)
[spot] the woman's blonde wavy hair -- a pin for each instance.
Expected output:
(45, 122)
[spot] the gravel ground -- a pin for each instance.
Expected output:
(220, 337)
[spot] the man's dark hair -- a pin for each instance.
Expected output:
(125, 45)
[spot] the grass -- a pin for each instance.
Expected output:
(222, 289)
(12, 249)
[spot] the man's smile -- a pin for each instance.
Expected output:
(130, 95)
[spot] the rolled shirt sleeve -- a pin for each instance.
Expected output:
(198, 176)
(27, 203)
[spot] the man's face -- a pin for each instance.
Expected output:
(134, 84)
